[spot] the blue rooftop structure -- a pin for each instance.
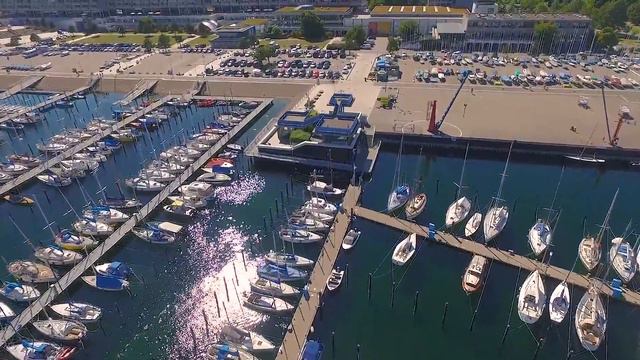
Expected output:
(298, 119)
(343, 100)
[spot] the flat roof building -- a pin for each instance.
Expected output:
(230, 36)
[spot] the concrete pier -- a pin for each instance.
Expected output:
(67, 279)
(143, 87)
(20, 86)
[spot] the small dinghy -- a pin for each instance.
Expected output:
(299, 236)
(19, 292)
(266, 287)
(286, 259)
(473, 224)
(334, 281)
(404, 250)
(54, 180)
(227, 352)
(281, 273)
(591, 320)
(398, 197)
(40, 350)
(106, 215)
(106, 283)
(61, 330)
(322, 188)
(178, 208)
(31, 272)
(214, 178)
(70, 241)
(144, 185)
(532, 298)
(81, 312)
(415, 206)
(53, 255)
(153, 236)
(560, 303)
(121, 203)
(268, 304)
(90, 227)
(458, 211)
(248, 340)
(351, 239)
(473, 277)
(16, 199)
(85, 165)
(6, 313)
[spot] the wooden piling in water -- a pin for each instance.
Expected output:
(444, 314)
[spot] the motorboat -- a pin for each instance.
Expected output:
(458, 211)
(335, 279)
(398, 197)
(223, 167)
(31, 272)
(125, 135)
(267, 287)
(178, 160)
(268, 304)
(214, 178)
(16, 199)
(247, 340)
(19, 292)
(286, 259)
(31, 349)
(415, 206)
(105, 214)
(473, 278)
(225, 351)
(121, 203)
(106, 283)
(350, 239)
(198, 146)
(320, 206)
(299, 236)
(532, 298)
(144, 185)
(61, 330)
(183, 151)
(179, 208)
(404, 250)
(156, 175)
(153, 236)
(560, 303)
(6, 313)
(52, 148)
(65, 172)
(165, 166)
(70, 241)
(91, 227)
(13, 169)
(307, 223)
(539, 236)
(197, 189)
(53, 255)
(322, 188)
(114, 269)
(280, 273)
(84, 313)
(623, 259)
(54, 180)
(591, 320)
(5, 177)
(206, 139)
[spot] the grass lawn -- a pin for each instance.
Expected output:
(131, 38)
(202, 40)
(630, 43)
(285, 43)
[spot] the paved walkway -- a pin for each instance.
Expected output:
(302, 319)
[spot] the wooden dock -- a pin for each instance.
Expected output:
(20, 86)
(12, 184)
(51, 102)
(72, 275)
(302, 320)
(503, 256)
(141, 88)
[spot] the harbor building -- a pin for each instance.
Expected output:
(229, 36)
(333, 17)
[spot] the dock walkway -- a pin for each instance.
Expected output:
(20, 86)
(72, 275)
(503, 256)
(50, 102)
(141, 88)
(302, 320)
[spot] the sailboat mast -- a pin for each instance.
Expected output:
(464, 163)
(396, 174)
(555, 194)
(605, 223)
(504, 173)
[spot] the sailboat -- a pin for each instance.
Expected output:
(585, 159)
(532, 298)
(81, 312)
(267, 287)
(415, 206)
(540, 234)
(62, 330)
(31, 349)
(591, 320)
(590, 248)
(473, 224)
(623, 259)
(459, 209)
(247, 340)
(496, 218)
(400, 193)
(560, 303)
(404, 250)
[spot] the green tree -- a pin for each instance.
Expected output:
(393, 44)
(164, 41)
(264, 52)
(14, 41)
(34, 37)
(607, 38)
(633, 13)
(203, 30)
(90, 27)
(147, 44)
(355, 37)
(273, 31)
(311, 27)
(174, 28)
(541, 7)
(611, 14)
(146, 25)
(178, 38)
(72, 29)
(409, 29)
(544, 32)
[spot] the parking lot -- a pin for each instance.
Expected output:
(175, 63)
(82, 62)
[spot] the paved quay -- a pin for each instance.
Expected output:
(503, 256)
(306, 310)
(72, 275)
(20, 86)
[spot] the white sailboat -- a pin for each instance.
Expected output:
(590, 248)
(496, 218)
(560, 303)
(532, 298)
(473, 224)
(62, 330)
(404, 250)
(540, 234)
(400, 193)
(248, 340)
(84, 313)
(591, 320)
(581, 157)
(623, 259)
(459, 209)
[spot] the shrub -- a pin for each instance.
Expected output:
(298, 136)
